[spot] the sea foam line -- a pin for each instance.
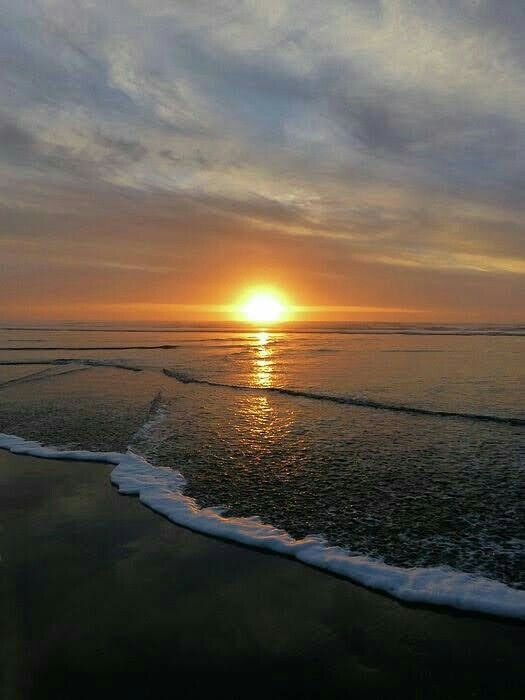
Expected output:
(161, 489)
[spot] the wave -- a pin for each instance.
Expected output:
(348, 400)
(86, 362)
(39, 348)
(157, 414)
(424, 350)
(161, 489)
(47, 373)
(512, 330)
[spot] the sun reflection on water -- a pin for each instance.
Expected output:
(263, 361)
(263, 429)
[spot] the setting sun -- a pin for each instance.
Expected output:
(263, 307)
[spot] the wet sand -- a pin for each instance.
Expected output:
(101, 597)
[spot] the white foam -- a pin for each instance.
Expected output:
(161, 489)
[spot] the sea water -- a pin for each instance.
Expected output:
(391, 454)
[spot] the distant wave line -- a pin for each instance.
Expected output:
(519, 332)
(40, 375)
(349, 401)
(103, 347)
(71, 361)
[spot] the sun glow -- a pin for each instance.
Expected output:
(263, 307)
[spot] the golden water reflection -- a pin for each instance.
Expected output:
(264, 422)
(263, 360)
(263, 428)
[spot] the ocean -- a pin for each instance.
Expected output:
(390, 454)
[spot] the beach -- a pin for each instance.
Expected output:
(101, 596)
(262, 341)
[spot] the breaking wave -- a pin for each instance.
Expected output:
(161, 489)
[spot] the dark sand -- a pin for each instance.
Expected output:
(101, 597)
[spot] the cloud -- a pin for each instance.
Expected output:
(394, 129)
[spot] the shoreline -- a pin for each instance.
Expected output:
(161, 489)
(100, 593)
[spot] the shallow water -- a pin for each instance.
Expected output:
(342, 432)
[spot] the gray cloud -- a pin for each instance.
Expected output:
(18, 146)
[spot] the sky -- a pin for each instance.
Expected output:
(366, 158)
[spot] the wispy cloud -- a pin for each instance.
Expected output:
(388, 134)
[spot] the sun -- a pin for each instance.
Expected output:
(263, 307)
